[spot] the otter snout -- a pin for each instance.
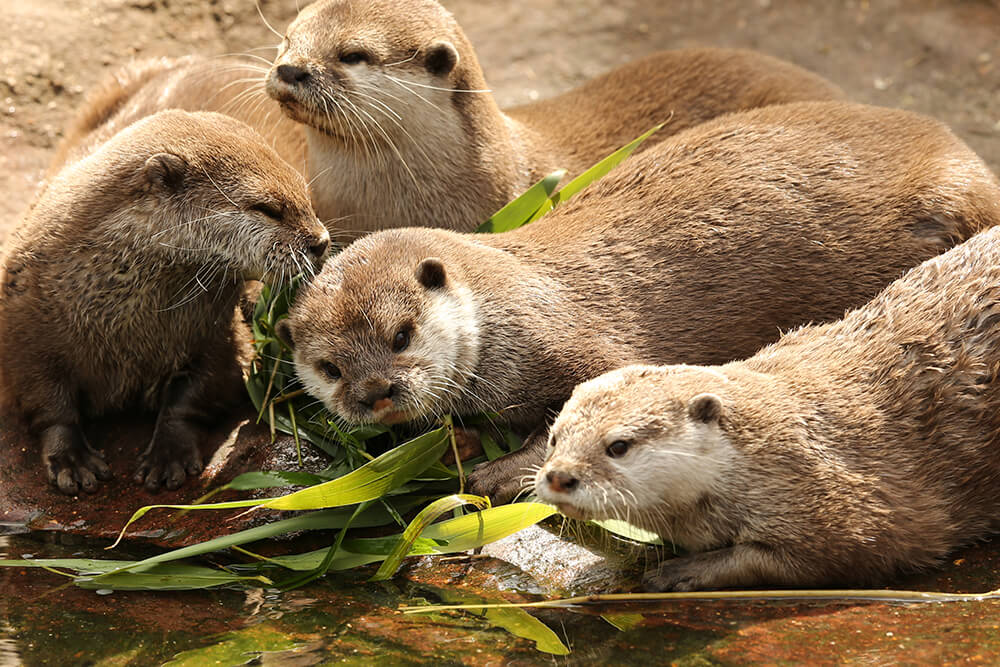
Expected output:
(561, 482)
(292, 74)
(375, 390)
(319, 246)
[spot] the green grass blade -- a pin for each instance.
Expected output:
(520, 624)
(519, 211)
(629, 531)
(450, 536)
(600, 169)
(370, 481)
(424, 518)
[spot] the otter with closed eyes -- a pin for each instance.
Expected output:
(119, 288)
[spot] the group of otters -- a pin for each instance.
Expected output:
(843, 453)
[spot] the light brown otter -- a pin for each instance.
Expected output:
(700, 250)
(230, 85)
(118, 290)
(402, 130)
(844, 454)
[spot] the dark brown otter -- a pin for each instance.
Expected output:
(118, 290)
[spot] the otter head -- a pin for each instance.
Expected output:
(387, 332)
(640, 444)
(216, 194)
(371, 73)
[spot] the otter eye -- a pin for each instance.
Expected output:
(617, 449)
(401, 340)
(329, 370)
(270, 210)
(354, 57)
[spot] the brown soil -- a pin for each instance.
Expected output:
(941, 58)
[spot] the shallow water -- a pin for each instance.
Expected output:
(344, 619)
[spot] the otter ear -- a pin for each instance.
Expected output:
(705, 408)
(441, 58)
(431, 274)
(165, 171)
(284, 331)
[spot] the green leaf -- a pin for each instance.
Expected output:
(520, 624)
(452, 536)
(424, 518)
(99, 574)
(519, 211)
(629, 531)
(600, 169)
(623, 621)
(251, 481)
(372, 480)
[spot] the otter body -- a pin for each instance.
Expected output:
(228, 85)
(402, 130)
(842, 455)
(119, 288)
(700, 250)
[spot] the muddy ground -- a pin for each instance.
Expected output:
(940, 58)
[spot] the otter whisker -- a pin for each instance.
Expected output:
(262, 18)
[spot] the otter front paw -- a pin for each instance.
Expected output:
(168, 466)
(678, 574)
(740, 566)
(71, 463)
(501, 480)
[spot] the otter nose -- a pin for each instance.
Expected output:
(319, 248)
(291, 74)
(375, 391)
(561, 482)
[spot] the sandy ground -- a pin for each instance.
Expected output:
(940, 58)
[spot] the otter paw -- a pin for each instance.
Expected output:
(500, 481)
(678, 575)
(71, 463)
(169, 467)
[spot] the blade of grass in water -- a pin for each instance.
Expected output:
(421, 522)
(846, 595)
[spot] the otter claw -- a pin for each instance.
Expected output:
(71, 463)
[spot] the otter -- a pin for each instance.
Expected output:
(119, 288)
(700, 250)
(402, 130)
(844, 454)
(230, 85)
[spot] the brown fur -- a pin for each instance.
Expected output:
(842, 455)
(701, 250)
(228, 85)
(417, 140)
(119, 287)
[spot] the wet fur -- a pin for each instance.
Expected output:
(119, 288)
(701, 250)
(844, 454)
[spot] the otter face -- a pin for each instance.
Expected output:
(366, 74)
(379, 343)
(637, 445)
(227, 200)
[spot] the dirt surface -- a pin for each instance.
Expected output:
(940, 58)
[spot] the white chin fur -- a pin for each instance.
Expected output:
(448, 338)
